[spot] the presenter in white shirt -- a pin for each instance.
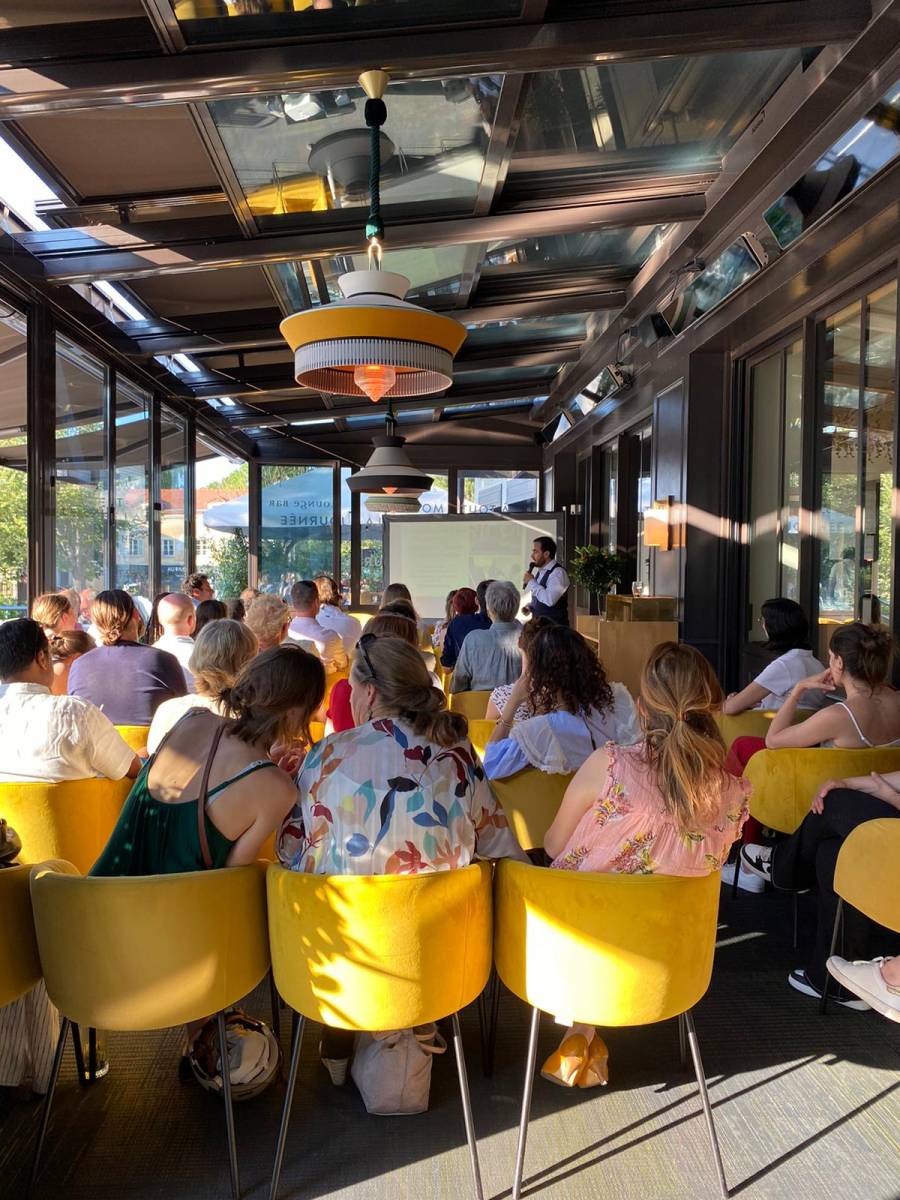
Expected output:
(177, 616)
(547, 583)
(306, 627)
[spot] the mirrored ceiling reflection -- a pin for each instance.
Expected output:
(205, 21)
(607, 247)
(296, 153)
(699, 106)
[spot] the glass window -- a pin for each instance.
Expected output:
(583, 520)
(838, 461)
(791, 475)
(346, 512)
(432, 503)
(610, 524)
(297, 153)
(498, 491)
(765, 487)
(879, 402)
(853, 159)
(13, 466)
(221, 520)
(132, 489)
(172, 485)
(518, 330)
(297, 532)
(698, 107)
(606, 247)
(644, 500)
(81, 470)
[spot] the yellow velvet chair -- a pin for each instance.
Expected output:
(531, 800)
(868, 879)
(135, 736)
(784, 782)
(148, 953)
(70, 821)
(480, 730)
(379, 952)
(754, 722)
(20, 966)
(610, 950)
(471, 704)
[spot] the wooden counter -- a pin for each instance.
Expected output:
(624, 646)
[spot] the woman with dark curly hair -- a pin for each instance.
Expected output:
(576, 709)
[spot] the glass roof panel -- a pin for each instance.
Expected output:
(699, 105)
(502, 375)
(522, 330)
(726, 274)
(203, 22)
(608, 247)
(489, 405)
(297, 153)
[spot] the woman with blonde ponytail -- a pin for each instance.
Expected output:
(665, 805)
(401, 793)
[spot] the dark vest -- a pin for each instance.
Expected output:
(558, 613)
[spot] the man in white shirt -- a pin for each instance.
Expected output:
(332, 616)
(547, 583)
(178, 617)
(47, 738)
(198, 588)
(306, 627)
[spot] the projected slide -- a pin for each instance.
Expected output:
(433, 555)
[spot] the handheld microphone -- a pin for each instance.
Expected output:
(529, 567)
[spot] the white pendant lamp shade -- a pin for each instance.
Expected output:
(373, 342)
(389, 472)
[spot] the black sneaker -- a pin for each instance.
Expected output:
(757, 859)
(801, 982)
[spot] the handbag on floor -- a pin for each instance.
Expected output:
(393, 1070)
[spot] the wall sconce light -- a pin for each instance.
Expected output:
(658, 524)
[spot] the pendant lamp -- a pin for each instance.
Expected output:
(372, 342)
(389, 478)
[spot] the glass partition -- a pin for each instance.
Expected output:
(297, 529)
(132, 489)
(497, 491)
(221, 519)
(13, 466)
(81, 470)
(878, 414)
(172, 494)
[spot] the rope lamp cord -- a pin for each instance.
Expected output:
(376, 115)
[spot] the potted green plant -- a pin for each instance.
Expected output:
(598, 571)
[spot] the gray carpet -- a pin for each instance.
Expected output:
(805, 1106)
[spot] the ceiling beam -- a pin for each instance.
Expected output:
(807, 115)
(298, 405)
(109, 253)
(697, 28)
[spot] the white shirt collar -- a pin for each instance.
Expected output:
(29, 689)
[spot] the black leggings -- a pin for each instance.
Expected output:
(807, 859)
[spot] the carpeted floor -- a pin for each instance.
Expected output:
(805, 1106)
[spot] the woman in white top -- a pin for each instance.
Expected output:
(859, 659)
(576, 711)
(221, 649)
(787, 630)
(332, 616)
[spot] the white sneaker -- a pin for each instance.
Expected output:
(801, 982)
(865, 980)
(757, 859)
(746, 881)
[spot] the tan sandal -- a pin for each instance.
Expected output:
(565, 1063)
(595, 1072)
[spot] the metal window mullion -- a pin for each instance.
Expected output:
(782, 443)
(41, 451)
(109, 437)
(336, 527)
(254, 520)
(895, 509)
(811, 409)
(355, 550)
(861, 454)
(453, 501)
(190, 492)
(154, 510)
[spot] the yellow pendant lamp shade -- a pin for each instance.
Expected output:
(373, 342)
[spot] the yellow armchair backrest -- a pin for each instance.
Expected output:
(480, 730)
(531, 800)
(153, 951)
(20, 967)
(755, 722)
(135, 736)
(868, 871)
(605, 949)
(784, 782)
(380, 952)
(471, 704)
(70, 821)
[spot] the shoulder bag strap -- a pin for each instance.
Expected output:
(204, 791)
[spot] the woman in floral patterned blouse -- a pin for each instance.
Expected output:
(663, 806)
(401, 793)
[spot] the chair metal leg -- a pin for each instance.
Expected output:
(682, 1041)
(488, 1011)
(48, 1100)
(300, 1023)
(80, 1068)
(276, 1011)
(467, 1106)
(704, 1098)
(530, 1064)
(229, 1108)
(838, 917)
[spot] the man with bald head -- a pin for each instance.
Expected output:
(176, 615)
